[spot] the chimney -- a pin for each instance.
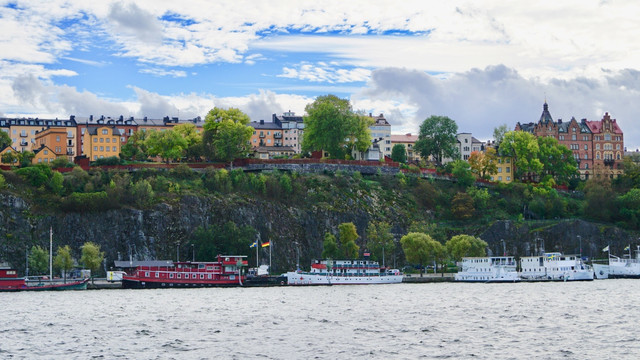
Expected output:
(90, 117)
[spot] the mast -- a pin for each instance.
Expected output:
(50, 253)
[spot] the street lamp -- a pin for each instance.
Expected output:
(580, 239)
(193, 253)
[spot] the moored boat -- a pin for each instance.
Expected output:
(626, 267)
(226, 271)
(9, 281)
(488, 269)
(344, 272)
(555, 266)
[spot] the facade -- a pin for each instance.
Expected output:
(265, 134)
(101, 142)
(43, 155)
(504, 167)
(269, 152)
(292, 129)
(23, 131)
(468, 144)
(381, 135)
(409, 142)
(58, 140)
(597, 146)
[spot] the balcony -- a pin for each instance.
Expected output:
(609, 162)
(261, 135)
(70, 152)
(24, 135)
(277, 136)
(70, 136)
(24, 143)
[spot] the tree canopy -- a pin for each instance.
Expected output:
(461, 246)
(330, 247)
(438, 139)
(226, 134)
(348, 236)
(38, 260)
(63, 260)
(167, 144)
(557, 160)
(419, 248)
(91, 257)
(5, 139)
(523, 148)
(399, 153)
(483, 163)
(380, 240)
(331, 125)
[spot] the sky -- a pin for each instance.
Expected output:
(481, 63)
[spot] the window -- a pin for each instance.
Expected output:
(46, 152)
(573, 137)
(58, 138)
(114, 149)
(108, 140)
(171, 275)
(508, 178)
(597, 146)
(157, 274)
(95, 148)
(586, 147)
(101, 148)
(508, 169)
(499, 170)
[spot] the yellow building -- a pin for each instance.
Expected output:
(23, 131)
(43, 155)
(57, 139)
(504, 173)
(409, 142)
(101, 142)
(7, 149)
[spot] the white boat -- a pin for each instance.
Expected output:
(488, 269)
(625, 267)
(344, 272)
(555, 266)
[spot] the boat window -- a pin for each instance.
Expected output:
(201, 276)
(179, 276)
(208, 276)
(209, 267)
(200, 266)
(157, 274)
(146, 274)
(171, 275)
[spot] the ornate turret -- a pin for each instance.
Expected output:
(545, 118)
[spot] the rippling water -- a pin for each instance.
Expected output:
(587, 320)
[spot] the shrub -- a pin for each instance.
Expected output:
(79, 202)
(183, 171)
(37, 175)
(108, 161)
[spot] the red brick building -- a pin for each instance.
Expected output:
(597, 146)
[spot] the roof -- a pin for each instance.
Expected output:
(546, 115)
(380, 120)
(42, 147)
(262, 125)
(71, 122)
(135, 263)
(93, 130)
(286, 117)
(597, 126)
(407, 138)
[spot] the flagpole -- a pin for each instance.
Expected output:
(50, 253)
(257, 262)
(269, 272)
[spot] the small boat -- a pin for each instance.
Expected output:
(626, 267)
(226, 271)
(344, 272)
(555, 266)
(488, 269)
(9, 281)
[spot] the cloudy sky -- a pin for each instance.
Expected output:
(482, 63)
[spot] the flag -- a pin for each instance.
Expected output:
(255, 243)
(606, 249)
(627, 248)
(266, 244)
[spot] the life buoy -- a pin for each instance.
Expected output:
(281, 282)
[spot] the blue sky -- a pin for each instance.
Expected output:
(483, 64)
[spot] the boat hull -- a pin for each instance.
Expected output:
(138, 284)
(74, 285)
(295, 278)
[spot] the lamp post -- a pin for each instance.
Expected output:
(504, 247)
(193, 253)
(580, 240)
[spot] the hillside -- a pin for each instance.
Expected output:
(154, 214)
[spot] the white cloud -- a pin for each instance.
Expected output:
(481, 99)
(164, 72)
(323, 72)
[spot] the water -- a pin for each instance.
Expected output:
(586, 320)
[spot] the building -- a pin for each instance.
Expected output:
(265, 134)
(468, 144)
(596, 145)
(270, 152)
(43, 154)
(8, 149)
(381, 134)
(292, 129)
(59, 140)
(408, 141)
(23, 131)
(101, 141)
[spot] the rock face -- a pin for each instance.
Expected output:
(566, 236)
(155, 233)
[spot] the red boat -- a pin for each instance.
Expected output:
(226, 271)
(9, 281)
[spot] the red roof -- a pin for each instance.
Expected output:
(596, 126)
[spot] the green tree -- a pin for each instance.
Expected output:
(5, 139)
(331, 125)
(628, 206)
(399, 153)
(483, 164)
(348, 235)
(3, 182)
(600, 199)
(461, 246)
(37, 175)
(462, 206)
(38, 260)
(91, 257)
(437, 139)
(142, 194)
(25, 158)
(10, 157)
(330, 247)
(63, 260)
(194, 149)
(419, 248)
(55, 183)
(498, 133)
(462, 172)
(227, 134)
(380, 240)
(557, 160)
(523, 148)
(168, 144)
(135, 148)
